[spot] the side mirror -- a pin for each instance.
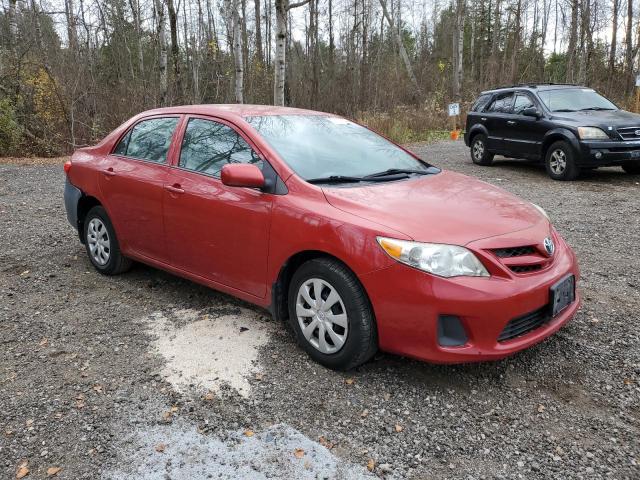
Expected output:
(242, 175)
(532, 112)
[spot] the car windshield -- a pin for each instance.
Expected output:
(574, 100)
(326, 147)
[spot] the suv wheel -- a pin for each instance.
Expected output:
(331, 315)
(479, 153)
(631, 167)
(102, 245)
(560, 162)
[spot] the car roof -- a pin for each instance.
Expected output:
(231, 110)
(533, 87)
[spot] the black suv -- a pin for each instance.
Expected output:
(569, 127)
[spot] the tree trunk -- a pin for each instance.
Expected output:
(162, 44)
(628, 58)
(492, 67)
(258, 20)
(71, 25)
(401, 48)
(13, 27)
(458, 49)
(175, 49)
(573, 42)
(280, 57)
(614, 39)
(516, 43)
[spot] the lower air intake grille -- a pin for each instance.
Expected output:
(524, 324)
(525, 268)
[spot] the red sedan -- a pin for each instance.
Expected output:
(356, 241)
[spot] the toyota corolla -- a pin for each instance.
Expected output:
(356, 242)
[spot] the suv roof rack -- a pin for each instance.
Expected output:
(533, 85)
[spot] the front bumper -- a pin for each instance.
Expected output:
(407, 304)
(608, 153)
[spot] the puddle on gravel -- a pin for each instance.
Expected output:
(203, 352)
(279, 452)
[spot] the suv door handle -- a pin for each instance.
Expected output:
(511, 122)
(109, 171)
(175, 188)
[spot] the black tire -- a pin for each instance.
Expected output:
(632, 168)
(115, 262)
(479, 153)
(558, 153)
(361, 341)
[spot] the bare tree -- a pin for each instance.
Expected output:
(162, 47)
(458, 49)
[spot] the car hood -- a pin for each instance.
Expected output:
(443, 208)
(602, 119)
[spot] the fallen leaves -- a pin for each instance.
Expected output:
(161, 447)
(364, 413)
(349, 381)
(43, 342)
(371, 465)
(541, 408)
(98, 388)
(249, 433)
(53, 471)
(23, 469)
(399, 428)
(628, 381)
(298, 453)
(167, 416)
(325, 443)
(209, 396)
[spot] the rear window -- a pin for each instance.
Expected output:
(149, 140)
(480, 103)
(501, 104)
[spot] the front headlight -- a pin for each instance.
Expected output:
(439, 259)
(541, 210)
(592, 133)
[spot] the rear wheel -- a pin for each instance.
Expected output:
(631, 167)
(560, 162)
(331, 315)
(479, 153)
(102, 245)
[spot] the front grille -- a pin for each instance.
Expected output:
(629, 133)
(514, 251)
(525, 268)
(526, 323)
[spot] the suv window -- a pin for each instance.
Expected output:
(208, 146)
(148, 140)
(523, 101)
(502, 103)
(480, 103)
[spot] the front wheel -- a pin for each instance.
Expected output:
(331, 315)
(560, 162)
(479, 153)
(102, 245)
(631, 167)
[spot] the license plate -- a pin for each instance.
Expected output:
(562, 294)
(635, 154)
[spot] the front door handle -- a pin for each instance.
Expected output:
(109, 172)
(511, 122)
(175, 188)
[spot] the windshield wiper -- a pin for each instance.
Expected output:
(565, 110)
(596, 108)
(348, 179)
(396, 171)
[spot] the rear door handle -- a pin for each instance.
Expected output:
(175, 188)
(109, 171)
(511, 122)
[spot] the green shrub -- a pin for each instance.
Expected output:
(10, 129)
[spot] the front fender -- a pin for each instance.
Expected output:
(558, 134)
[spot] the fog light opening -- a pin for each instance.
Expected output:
(598, 155)
(451, 333)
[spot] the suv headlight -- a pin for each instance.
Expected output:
(438, 259)
(592, 133)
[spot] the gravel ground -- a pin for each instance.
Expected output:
(97, 377)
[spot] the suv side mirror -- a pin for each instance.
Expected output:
(242, 175)
(532, 112)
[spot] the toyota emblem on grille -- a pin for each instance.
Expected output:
(549, 246)
(637, 133)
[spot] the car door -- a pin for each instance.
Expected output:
(132, 182)
(494, 119)
(218, 232)
(524, 134)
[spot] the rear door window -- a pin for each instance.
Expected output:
(208, 146)
(148, 140)
(480, 103)
(501, 104)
